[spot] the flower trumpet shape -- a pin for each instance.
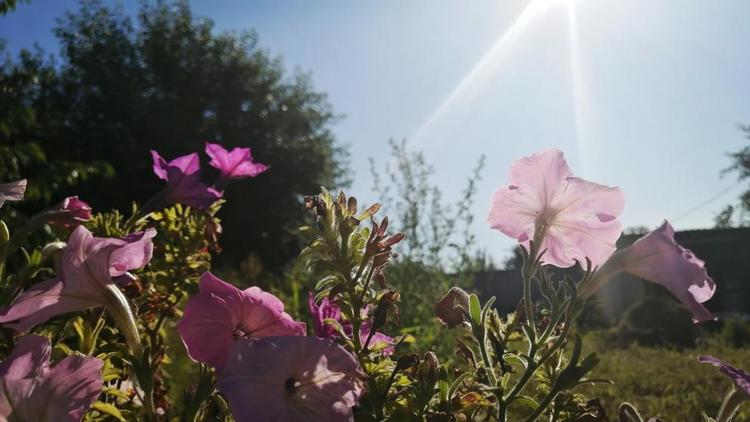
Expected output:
(85, 280)
(221, 313)
(12, 191)
(235, 164)
(70, 212)
(658, 258)
(290, 379)
(32, 390)
(568, 218)
(183, 183)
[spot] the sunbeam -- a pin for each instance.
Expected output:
(578, 86)
(484, 70)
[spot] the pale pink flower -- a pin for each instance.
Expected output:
(569, 218)
(85, 281)
(740, 378)
(32, 390)
(290, 379)
(184, 184)
(12, 191)
(658, 258)
(221, 313)
(235, 164)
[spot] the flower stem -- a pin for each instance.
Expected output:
(730, 405)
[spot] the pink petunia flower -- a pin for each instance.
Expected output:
(85, 281)
(32, 390)
(235, 164)
(183, 183)
(71, 212)
(658, 258)
(12, 191)
(567, 217)
(221, 313)
(328, 309)
(740, 378)
(291, 379)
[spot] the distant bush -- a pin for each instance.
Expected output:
(654, 321)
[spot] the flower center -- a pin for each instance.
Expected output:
(239, 332)
(290, 386)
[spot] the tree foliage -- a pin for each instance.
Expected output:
(165, 80)
(738, 214)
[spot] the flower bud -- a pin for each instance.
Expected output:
(429, 368)
(451, 309)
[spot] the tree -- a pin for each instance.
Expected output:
(738, 214)
(166, 81)
(24, 85)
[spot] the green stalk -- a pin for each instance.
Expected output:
(730, 405)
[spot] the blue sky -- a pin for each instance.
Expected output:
(644, 95)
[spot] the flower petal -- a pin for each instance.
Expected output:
(135, 252)
(220, 312)
(12, 191)
(256, 377)
(514, 212)
(737, 375)
(585, 224)
(658, 258)
(40, 303)
(540, 174)
(28, 359)
(70, 389)
(207, 330)
(159, 166)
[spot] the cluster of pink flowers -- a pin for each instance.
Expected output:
(184, 184)
(265, 364)
(89, 274)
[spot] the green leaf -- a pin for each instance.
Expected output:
(457, 384)
(475, 311)
(528, 402)
(108, 409)
(486, 309)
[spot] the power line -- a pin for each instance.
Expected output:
(708, 201)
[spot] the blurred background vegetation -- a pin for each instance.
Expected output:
(82, 122)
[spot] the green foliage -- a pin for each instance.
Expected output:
(135, 386)
(664, 381)
(655, 321)
(439, 250)
(9, 5)
(24, 149)
(166, 80)
(438, 234)
(737, 215)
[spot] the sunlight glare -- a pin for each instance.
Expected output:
(484, 70)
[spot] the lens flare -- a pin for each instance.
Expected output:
(487, 67)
